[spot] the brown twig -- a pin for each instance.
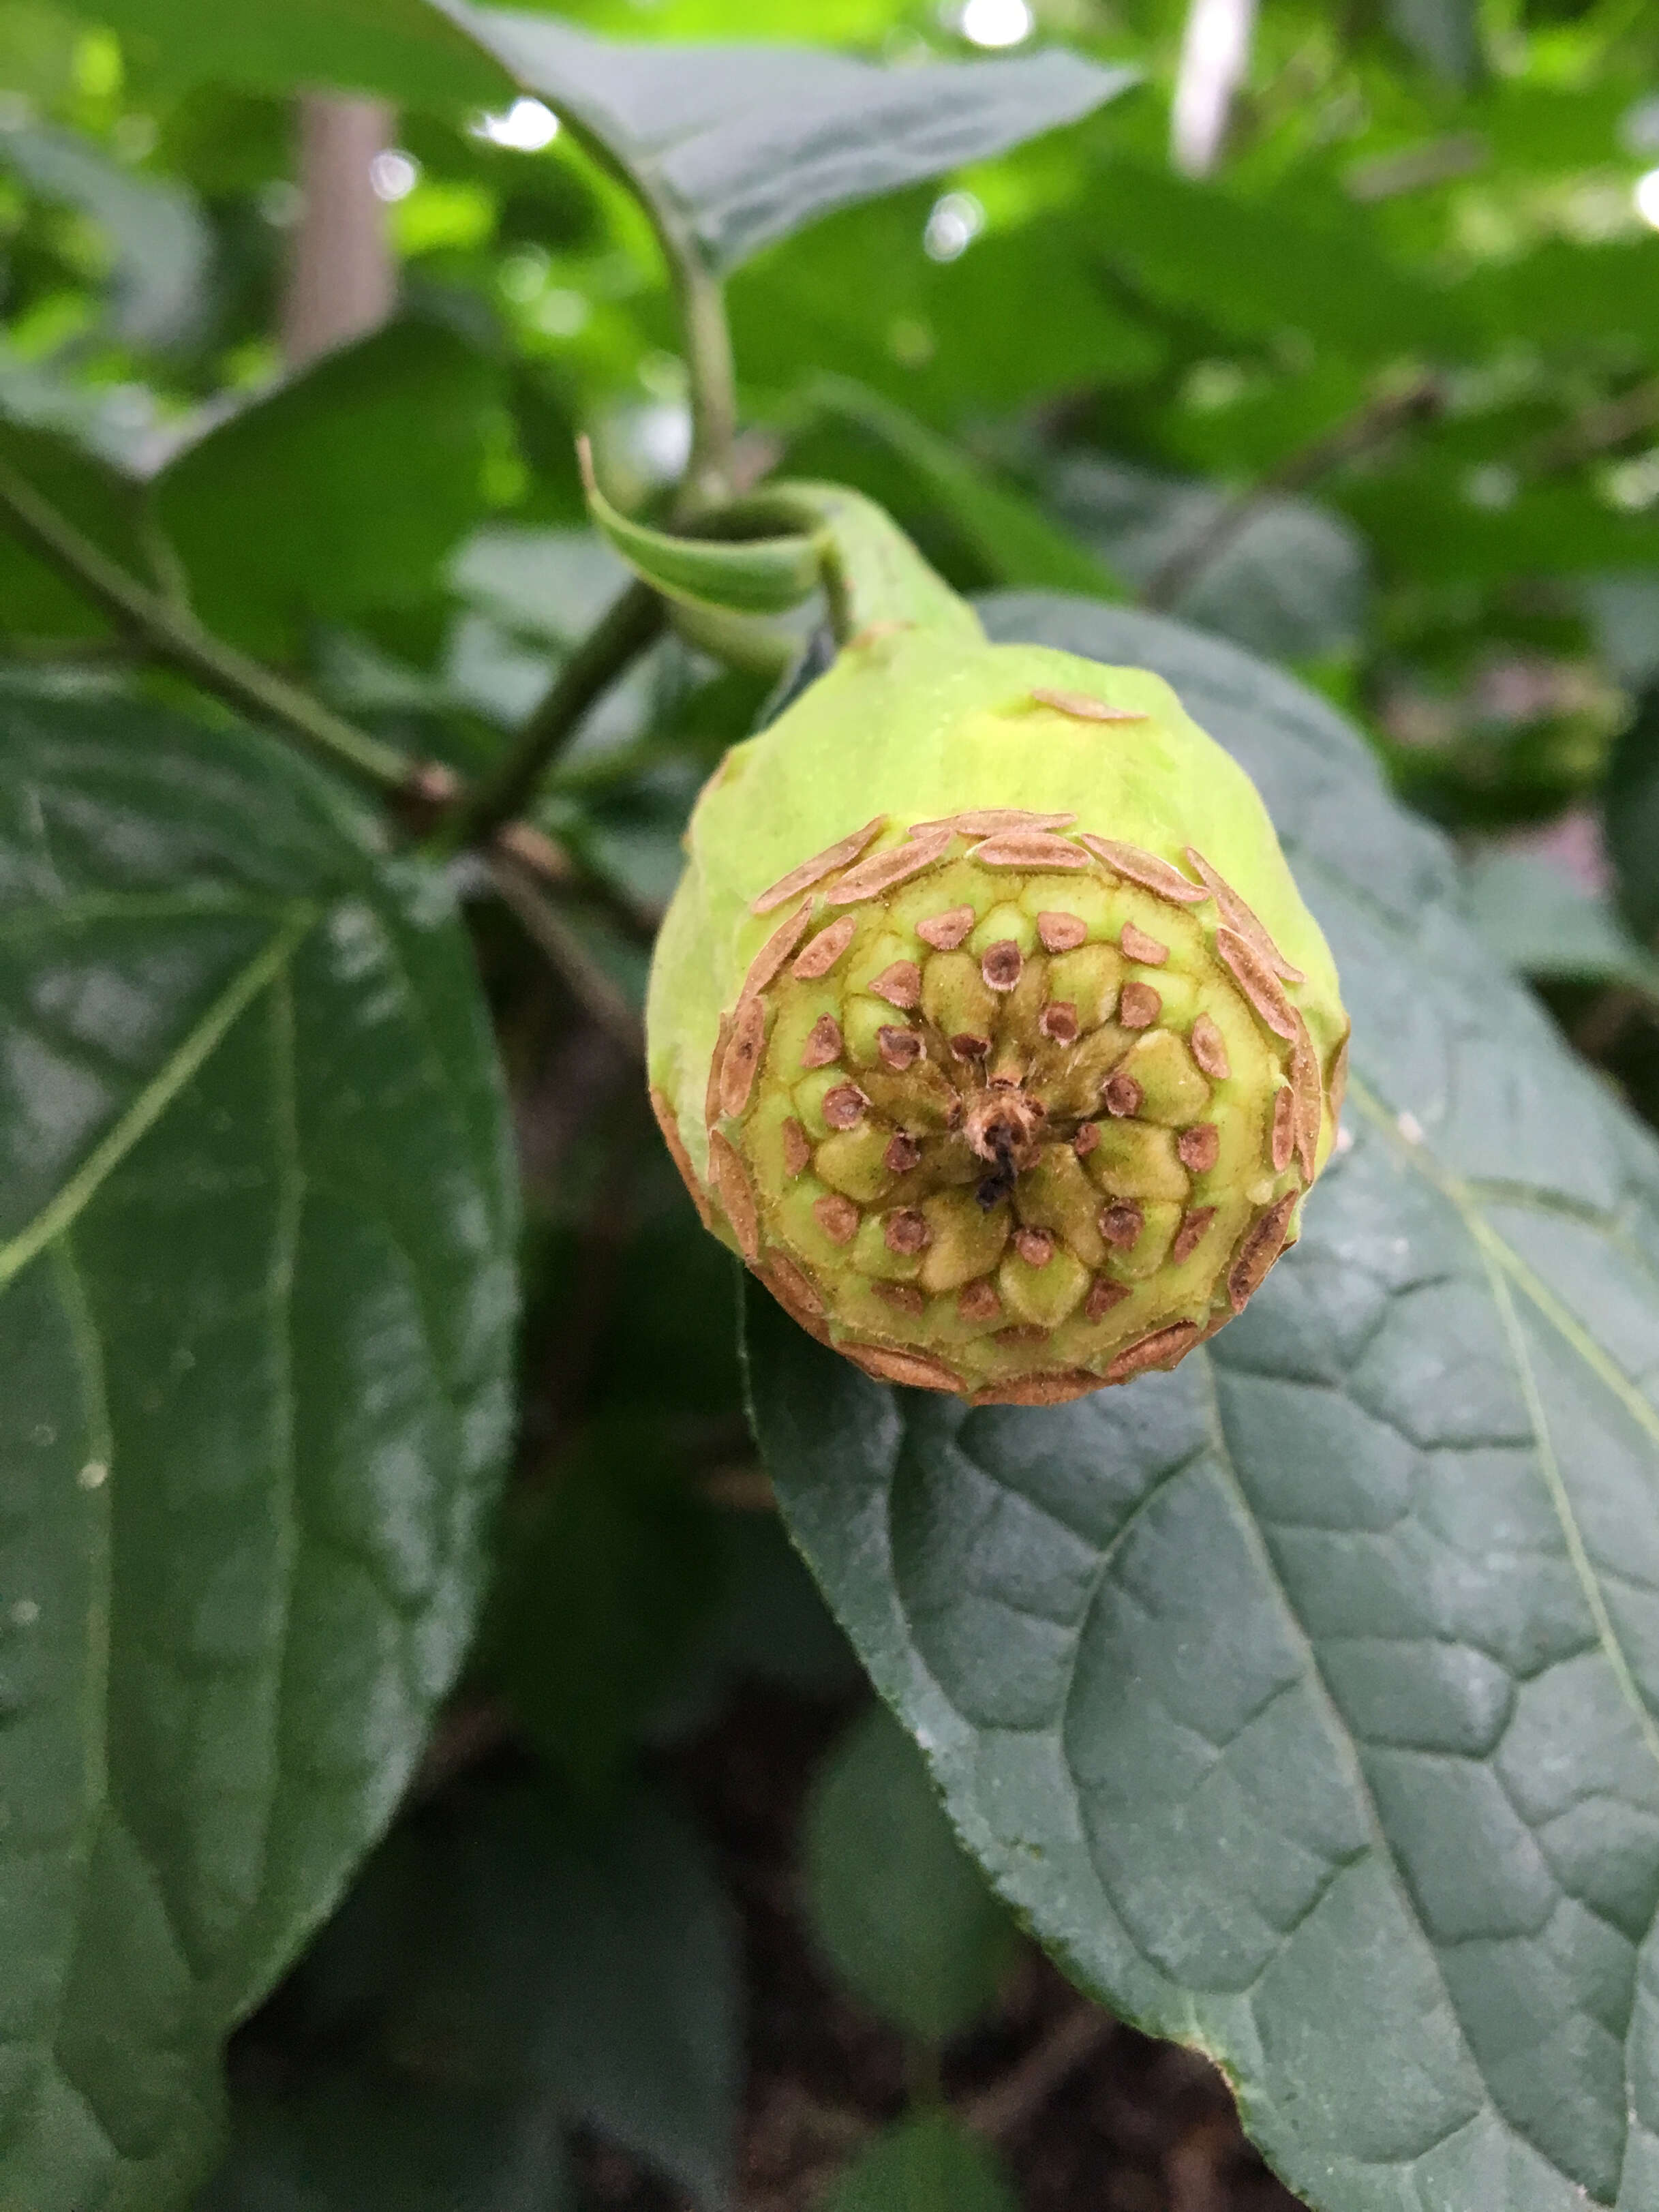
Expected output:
(468, 1731)
(1595, 431)
(171, 633)
(743, 1487)
(551, 932)
(1375, 421)
(1020, 2094)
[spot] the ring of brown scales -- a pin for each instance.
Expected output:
(1008, 1108)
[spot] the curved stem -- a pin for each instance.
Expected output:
(171, 633)
(713, 378)
(701, 298)
(633, 621)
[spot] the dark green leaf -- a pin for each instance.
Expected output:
(772, 1626)
(1304, 1700)
(98, 500)
(1291, 582)
(379, 2142)
(1631, 817)
(258, 1222)
(742, 144)
(597, 1966)
(1255, 268)
(904, 1918)
(341, 490)
(927, 2164)
(158, 241)
(1012, 539)
(610, 1570)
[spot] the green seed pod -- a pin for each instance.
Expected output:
(987, 1023)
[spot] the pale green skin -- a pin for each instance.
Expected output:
(919, 723)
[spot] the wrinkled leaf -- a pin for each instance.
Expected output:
(742, 144)
(256, 1311)
(927, 2164)
(905, 1920)
(1304, 1700)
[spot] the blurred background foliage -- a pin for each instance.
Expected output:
(1377, 395)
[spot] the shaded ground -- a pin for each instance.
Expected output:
(1088, 2116)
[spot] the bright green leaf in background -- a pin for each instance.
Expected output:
(99, 501)
(257, 1303)
(401, 48)
(341, 490)
(741, 145)
(1304, 1700)
(336, 493)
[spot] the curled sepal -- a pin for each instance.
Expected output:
(746, 576)
(767, 553)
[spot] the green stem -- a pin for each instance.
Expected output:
(701, 298)
(171, 633)
(713, 377)
(633, 621)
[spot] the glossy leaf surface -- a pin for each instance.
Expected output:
(1304, 1700)
(256, 1310)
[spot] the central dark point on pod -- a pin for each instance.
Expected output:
(1003, 1127)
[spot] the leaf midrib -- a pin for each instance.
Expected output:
(185, 1062)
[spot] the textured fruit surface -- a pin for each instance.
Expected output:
(987, 1023)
